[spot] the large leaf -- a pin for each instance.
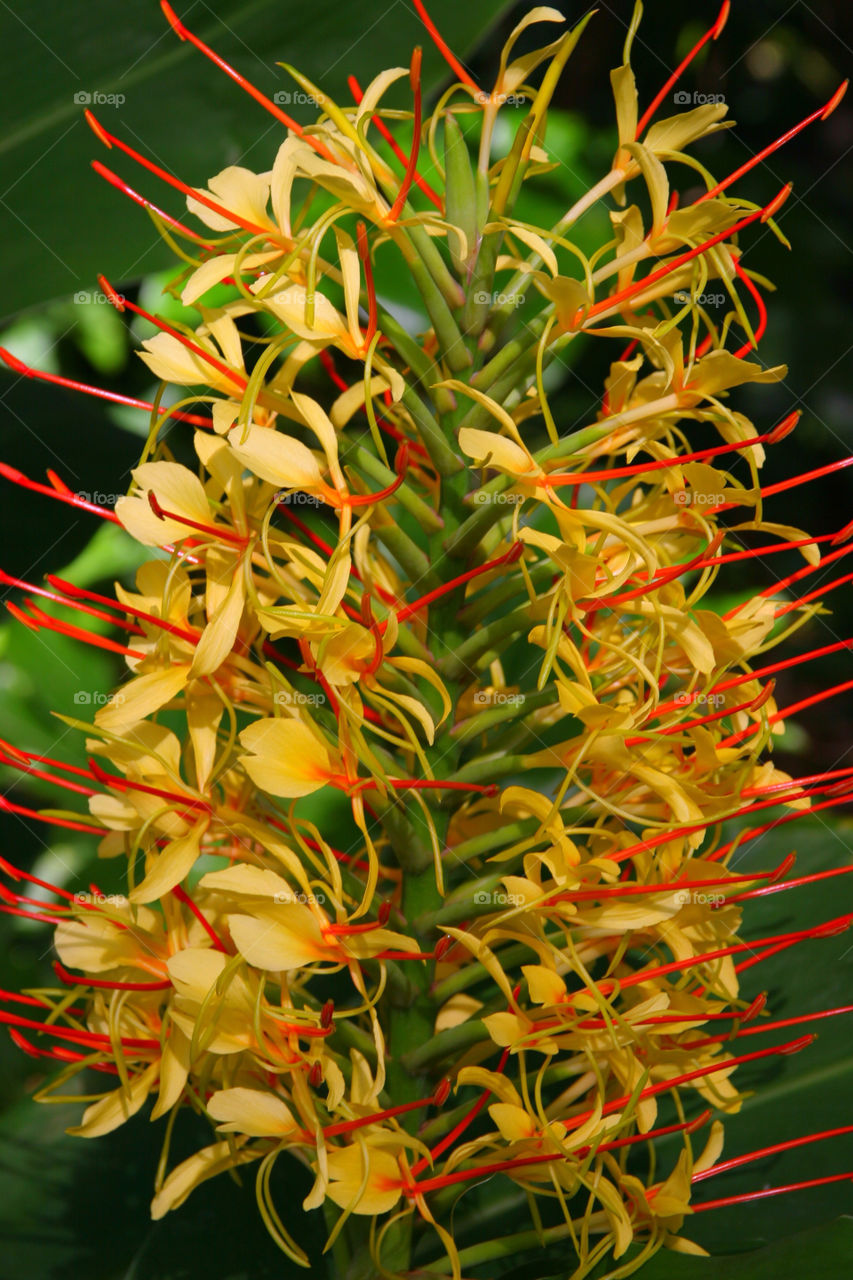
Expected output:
(60, 224)
(71, 1208)
(822, 1253)
(811, 1091)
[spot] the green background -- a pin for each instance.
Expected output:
(70, 1208)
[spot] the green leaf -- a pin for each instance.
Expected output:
(810, 1091)
(70, 1208)
(60, 224)
(823, 1253)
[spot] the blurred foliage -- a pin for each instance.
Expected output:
(773, 71)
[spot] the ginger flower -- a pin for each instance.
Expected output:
(431, 718)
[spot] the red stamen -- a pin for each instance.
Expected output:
(185, 898)
(364, 255)
(793, 483)
(41, 620)
(762, 312)
(408, 177)
(17, 477)
(214, 531)
(792, 709)
(115, 181)
(459, 1128)
(71, 589)
(822, 113)
(826, 930)
(401, 466)
(24, 812)
(813, 595)
(505, 1166)
(748, 1196)
(122, 304)
(711, 34)
(349, 1126)
(6, 579)
(623, 890)
(431, 195)
(515, 553)
(790, 884)
(91, 1038)
(184, 33)
(110, 140)
(15, 873)
(784, 428)
(113, 396)
(45, 775)
(443, 48)
(85, 981)
(778, 1025)
(753, 832)
(632, 291)
(127, 784)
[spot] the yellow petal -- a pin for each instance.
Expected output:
(216, 269)
(177, 490)
(287, 759)
(513, 1122)
(219, 635)
(382, 1188)
(489, 449)
(254, 1112)
(278, 942)
(278, 458)
(196, 1169)
(204, 712)
(142, 696)
(255, 882)
(110, 1112)
(171, 865)
(237, 190)
(174, 1070)
(545, 986)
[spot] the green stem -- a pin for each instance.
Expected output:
(409, 555)
(452, 1042)
(463, 661)
(426, 517)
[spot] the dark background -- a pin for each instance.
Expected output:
(775, 62)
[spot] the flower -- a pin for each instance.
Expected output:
(569, 958)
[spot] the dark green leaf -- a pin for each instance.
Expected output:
(823, 1253)
(60, 224)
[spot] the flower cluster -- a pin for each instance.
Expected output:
(479, 648)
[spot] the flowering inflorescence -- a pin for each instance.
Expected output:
(416, 593)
